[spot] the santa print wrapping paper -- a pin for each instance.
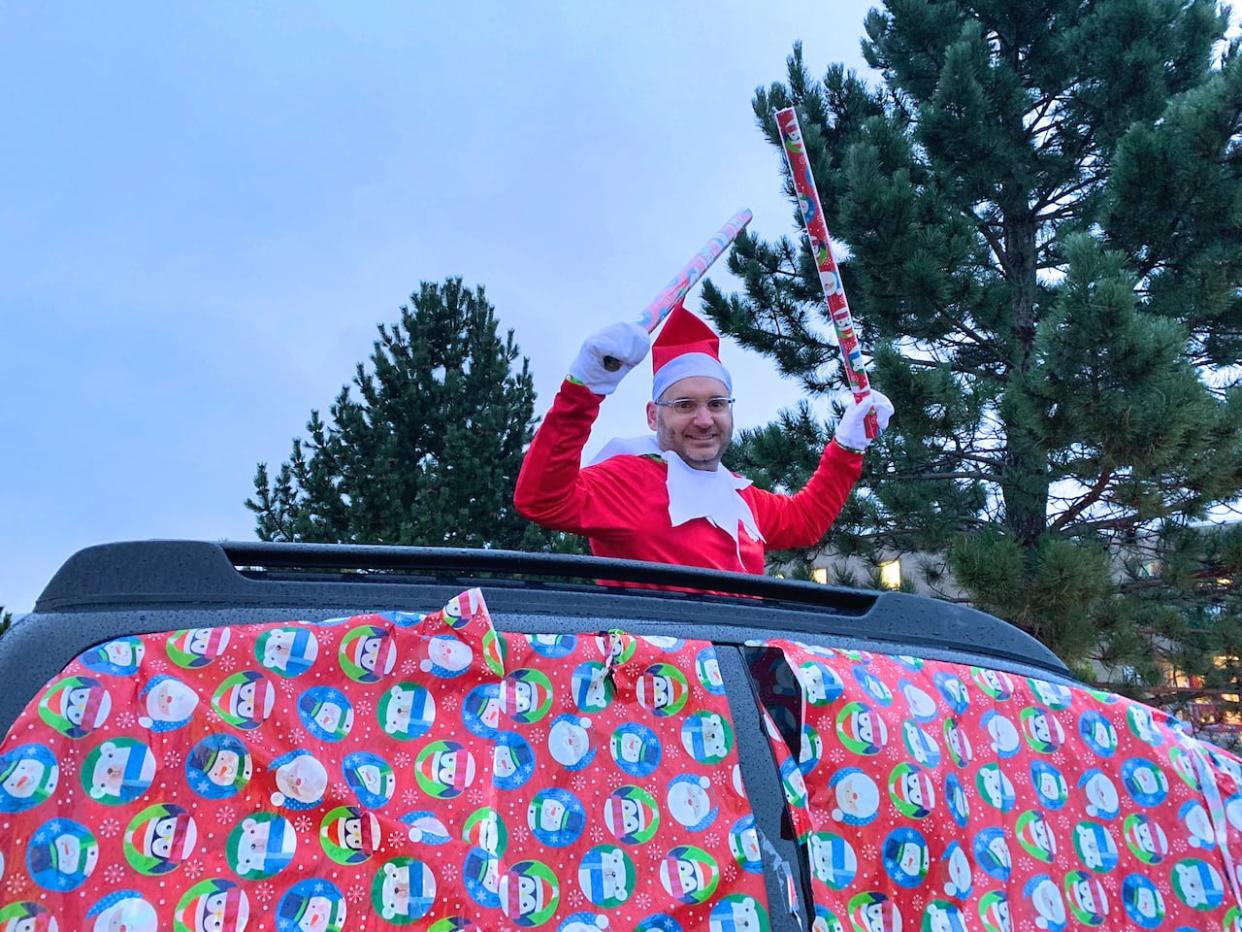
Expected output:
(383, 770)
(943, 797)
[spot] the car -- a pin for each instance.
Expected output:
(249, 735)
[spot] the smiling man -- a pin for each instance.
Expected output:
(664, 497)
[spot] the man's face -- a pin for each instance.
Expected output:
(699, 436)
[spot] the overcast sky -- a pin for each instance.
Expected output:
(207, 208)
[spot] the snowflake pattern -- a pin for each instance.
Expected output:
(114, 873)
(264, 893)
(109, 828)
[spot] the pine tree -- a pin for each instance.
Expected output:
(429, 450)
(1041, 209)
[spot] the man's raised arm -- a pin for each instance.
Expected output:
(801, 520)
(549, 488)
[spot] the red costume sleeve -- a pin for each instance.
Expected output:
(553, 489)
(801, 520)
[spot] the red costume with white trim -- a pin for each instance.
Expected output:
(622, 504)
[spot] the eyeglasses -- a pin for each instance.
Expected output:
(717, 405)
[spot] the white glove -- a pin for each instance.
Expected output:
(851, 430)
(626, 345)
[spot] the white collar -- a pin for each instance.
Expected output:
(693, 493)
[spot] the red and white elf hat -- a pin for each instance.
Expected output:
(685, 348)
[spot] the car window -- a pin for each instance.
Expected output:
(423, 768)
(966, 797)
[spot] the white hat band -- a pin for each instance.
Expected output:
(687, 366)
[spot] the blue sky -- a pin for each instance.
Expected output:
(207, 208)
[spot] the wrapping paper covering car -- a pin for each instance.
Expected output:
(379, 771)
(939, 796)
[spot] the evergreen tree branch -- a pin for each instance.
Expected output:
(977, 475)
(988, 158)
(1093, 495)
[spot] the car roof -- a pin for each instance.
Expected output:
(137, 587)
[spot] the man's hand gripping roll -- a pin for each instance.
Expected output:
(677, 289)
(829, 276)
(608, 355)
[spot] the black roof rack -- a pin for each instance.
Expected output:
(176, 571)
(139, 587)
(238, 577)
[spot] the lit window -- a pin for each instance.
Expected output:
(819, 574)
(890, 574)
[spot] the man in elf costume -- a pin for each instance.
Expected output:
(664, 498)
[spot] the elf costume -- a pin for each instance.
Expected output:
(639, 502)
